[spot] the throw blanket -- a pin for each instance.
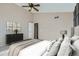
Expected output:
(15, 48)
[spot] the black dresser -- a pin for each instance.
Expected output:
(12, 38)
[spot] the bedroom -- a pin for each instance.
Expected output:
(53, 19)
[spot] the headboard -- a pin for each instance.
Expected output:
(76, 30)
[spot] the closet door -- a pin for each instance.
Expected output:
(30, 30)
(35, 30)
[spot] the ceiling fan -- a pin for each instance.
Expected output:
(32, 6)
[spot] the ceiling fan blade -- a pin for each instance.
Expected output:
(25, 6)
(35, 9)
(37, 5)
(29, 5)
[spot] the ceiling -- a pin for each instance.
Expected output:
(53, 7)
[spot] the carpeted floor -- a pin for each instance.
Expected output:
(2, 48)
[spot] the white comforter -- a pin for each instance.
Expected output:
(35, 50)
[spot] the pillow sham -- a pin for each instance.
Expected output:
(76, 48)
(48, 47)
(65, 49)
(75, 37)
(53, 50)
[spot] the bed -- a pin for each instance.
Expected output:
(29, 48)
(37, 47)
(34, 47)
(69, 46)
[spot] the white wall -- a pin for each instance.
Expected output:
(12, 12)
(49, 28)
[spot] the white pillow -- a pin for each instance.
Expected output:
(76, 46)
(75, 37)
(54, 49)
(48, 47)
(65, 49)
